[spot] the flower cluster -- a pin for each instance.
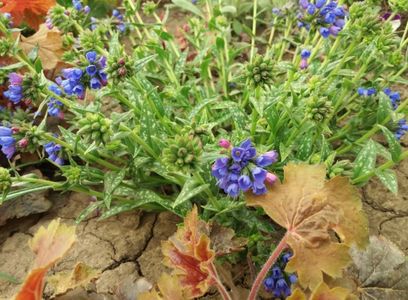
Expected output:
(366, 92)
(121, 26)
(304, 54)
(278, 282)
(15, 90)
(54, 152)
(7, 141)
(329, 17)
(93, 75)
(54, 106)
(5, 180)
(243, 170)
(395, 97)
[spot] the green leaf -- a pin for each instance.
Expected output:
(366, 159)
(179, 67)
(220, 43)
(305, 147)
(189, 190)
(87, 211)
(389, 179)
(187, 5)
(384, 108)
(24, 191)
(229, 9)
(12, 66)
(139, 64)
(393, 144)
(111, 181)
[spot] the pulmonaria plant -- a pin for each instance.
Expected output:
(328, 16)
(243, 169)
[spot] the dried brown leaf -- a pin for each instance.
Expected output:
(49, 43)
(224, 241)
(311, 208)
(380, 271)
(80, 276)
(168, 288)
(323, 292)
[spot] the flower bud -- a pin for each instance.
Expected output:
(224, 143)
(5, 180)
(23, 143)
(271, 178)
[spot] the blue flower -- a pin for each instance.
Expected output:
(91, 70)
(7, 141)
(305, 53)
(282, 288)
(54, 106)
(324, 32)
(401, 129)
(320, 3)
(311, 9)
(243, 170)
(15, 90)
(91, 56)
(395, 97)
(279, 282)
(53, 150)
(366, 92)
(77, 5)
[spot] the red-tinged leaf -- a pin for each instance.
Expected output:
(188, 253)
(33, 286)
(31, 12)
(310, 208)
(49, 244)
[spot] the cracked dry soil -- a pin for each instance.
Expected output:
(126, 247)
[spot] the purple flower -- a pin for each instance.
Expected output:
(324, 32)
(233, 190)
(91, 70)
(53, 150)
(220, 167)
(77, 5)
(304, 4)
(267, 159)
(311, 9)
(7, 141)
(237, 153)
(91, 56)
(269, 284)
(320, 3)
(115, 13)
(15, 79)
(276, 272)
(282, 288)
(244, 183)
(401, 129)
(15, 89)
(87, 9)
(334, 30)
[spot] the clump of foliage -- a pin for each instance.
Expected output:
(212, 111)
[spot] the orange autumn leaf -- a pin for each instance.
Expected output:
(323, 292)
(310, 208)
(49, 43)
(188, 253)
(49, 244)
(31, 12)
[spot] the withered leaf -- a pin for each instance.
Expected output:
(310, 208)
(168, 289)
(188, 253)
(224, 241)
(380, 271)
(49, 244)
(80, 276)
(49, 43)
(323, 292)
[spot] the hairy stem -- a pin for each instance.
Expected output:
(267, 266)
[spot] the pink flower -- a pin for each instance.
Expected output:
(224, 143)
(271, 178)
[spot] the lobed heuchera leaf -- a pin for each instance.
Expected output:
(224, 241)
(311, 208)
(30, 11)
(49, 43)
(188, 253)
(380, 271)
(80, 276)
(324, 292)
(49, 244)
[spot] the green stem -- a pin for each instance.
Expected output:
(141, 142)
(254, 17)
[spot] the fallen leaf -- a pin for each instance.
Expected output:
(49, 244)
(49, 43)
(80, 276)
(30, 11)
(311, 208)
(188, 253)
(380, 271)
(224, 241)
(323, 292)
(168, 289)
